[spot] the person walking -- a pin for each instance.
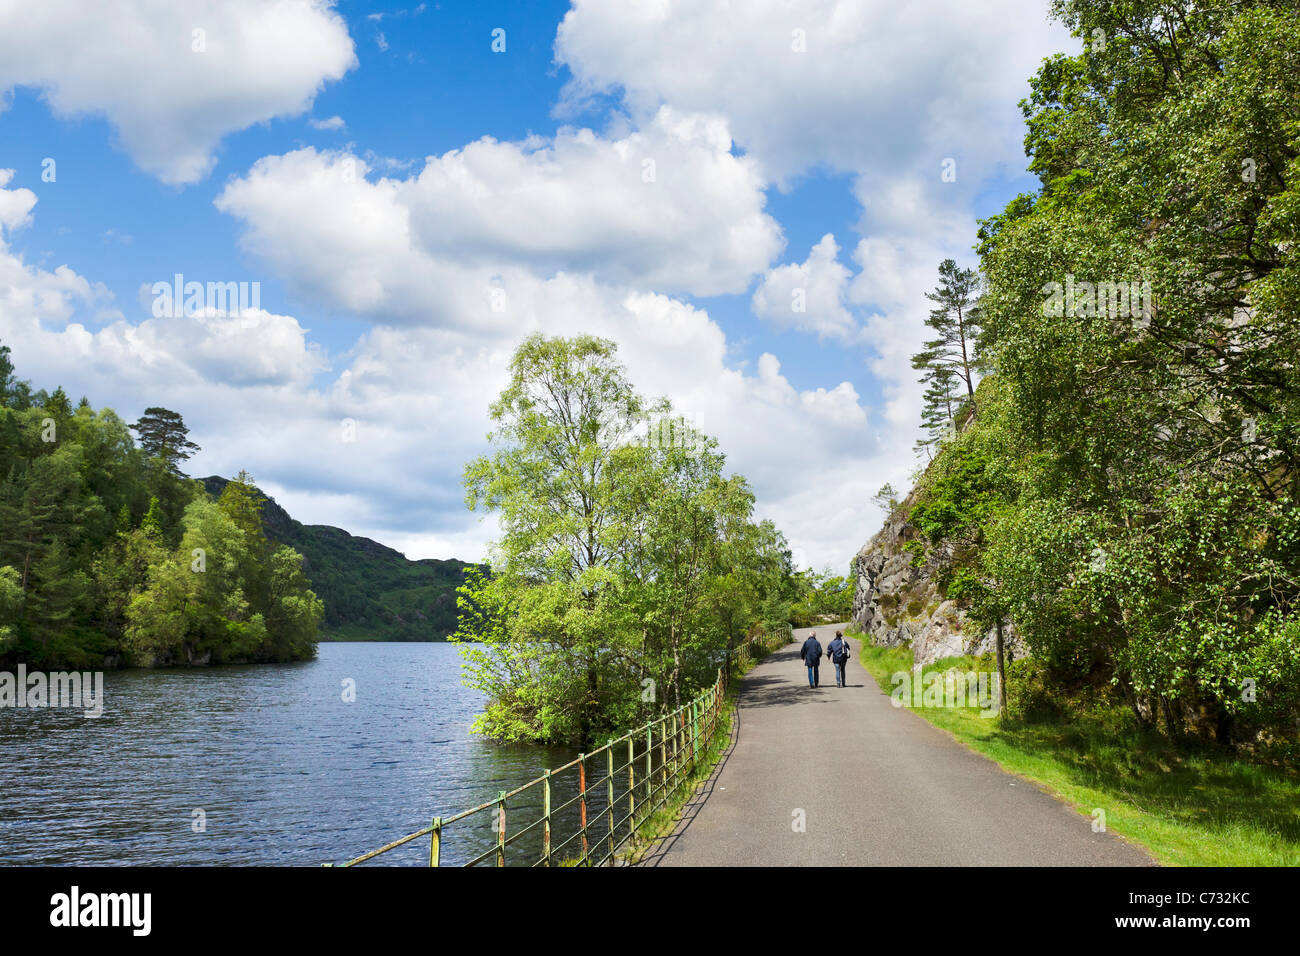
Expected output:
(812, 658)
(838, 652)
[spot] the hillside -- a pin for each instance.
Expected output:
(371, 592)
(901, 596)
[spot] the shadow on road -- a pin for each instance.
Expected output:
(756, 691)
(778, 691)
(696, 803)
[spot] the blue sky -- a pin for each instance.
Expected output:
(521, 170)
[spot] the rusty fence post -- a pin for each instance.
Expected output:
(582, 803)
(546, 816)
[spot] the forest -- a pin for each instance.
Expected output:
(110, 555)
(1113, 398)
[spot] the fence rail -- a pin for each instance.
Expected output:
(638, 774)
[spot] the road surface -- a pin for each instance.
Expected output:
(872, 784)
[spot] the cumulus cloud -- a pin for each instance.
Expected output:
(667, 207)
(846, 83)
(808, 295)
(174, 76)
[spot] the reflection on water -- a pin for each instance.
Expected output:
(283, 769)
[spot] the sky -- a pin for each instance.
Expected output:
(751, 199)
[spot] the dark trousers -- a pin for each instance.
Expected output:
(814, 675)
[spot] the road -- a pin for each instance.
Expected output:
(872, 784)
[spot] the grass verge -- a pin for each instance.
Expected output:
(1187, 805)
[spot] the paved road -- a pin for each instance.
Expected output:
(877, 785)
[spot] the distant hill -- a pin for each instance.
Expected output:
(371, 592)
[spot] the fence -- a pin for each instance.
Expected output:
(637, 775)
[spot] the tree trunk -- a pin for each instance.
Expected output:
(1002, 674)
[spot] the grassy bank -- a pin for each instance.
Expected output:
(1189, 806)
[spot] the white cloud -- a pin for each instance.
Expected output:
(667, 207)
(333, 123)
(15, 204)
(879, 85)
(174, 77)
(808, 295)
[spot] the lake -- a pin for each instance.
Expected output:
(284, 771)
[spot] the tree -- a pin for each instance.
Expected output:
(81, 585)
(11, 602)
(163, 436)
(627, 564)
(1140, 312)
(886, 498)
(6, 374)
(555, 483)
(951, 355)
(939, 408)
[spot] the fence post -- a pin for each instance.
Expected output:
(609, 798)
(663, 758)
(631, 786)
(582, 803)
(435, 842)
(546, 816)
(649, 766)
(693, 729)
(501, 828)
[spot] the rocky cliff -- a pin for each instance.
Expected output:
(897, 599)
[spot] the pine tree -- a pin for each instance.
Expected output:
(951, 354)
(939, 412)
(163, 436)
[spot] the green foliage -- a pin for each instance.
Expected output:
(824, 597)
(371, 592)
(11, 604)
(108, 554)
(950, 360)
(1128, 497)
(626, 567)
(164, 437)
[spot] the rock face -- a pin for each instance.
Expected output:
(900, 605)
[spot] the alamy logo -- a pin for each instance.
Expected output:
(677, 431)
(180, 298)
(71, 689)
(1115, 300)
(952, 688)
(72, 909)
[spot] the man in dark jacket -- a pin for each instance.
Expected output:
(812, 657)
(838, 651)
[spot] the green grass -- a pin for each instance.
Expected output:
(1187, 805)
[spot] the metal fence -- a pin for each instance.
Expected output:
(583, 812)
